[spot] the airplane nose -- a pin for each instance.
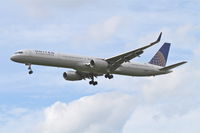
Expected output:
(13, 58)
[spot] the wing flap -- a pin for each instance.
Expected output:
(173, 66)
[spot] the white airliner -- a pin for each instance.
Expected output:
(89, 67)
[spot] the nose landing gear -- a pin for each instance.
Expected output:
(30, 70)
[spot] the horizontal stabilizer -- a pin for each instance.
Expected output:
(173, 66)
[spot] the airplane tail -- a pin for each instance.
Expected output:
(160, 58)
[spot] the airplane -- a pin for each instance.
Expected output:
(90, 67)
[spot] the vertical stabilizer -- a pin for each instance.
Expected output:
(160, 58)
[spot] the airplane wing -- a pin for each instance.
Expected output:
(173, 66)
(116, 61)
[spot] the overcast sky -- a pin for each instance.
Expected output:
(45, 103)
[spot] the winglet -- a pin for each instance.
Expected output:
(158, 40)
(151, 44)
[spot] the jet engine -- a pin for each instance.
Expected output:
(99, 64)
(72, 76)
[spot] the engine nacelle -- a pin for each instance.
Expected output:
(99, 64)
(72, 76)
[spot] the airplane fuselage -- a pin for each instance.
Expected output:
(82, 64)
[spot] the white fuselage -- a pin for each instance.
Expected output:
(80, 63)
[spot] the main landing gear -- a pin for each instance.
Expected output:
(109, 76)
(92, 82)
(30, 70)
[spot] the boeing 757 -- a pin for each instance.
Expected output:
(89, 67)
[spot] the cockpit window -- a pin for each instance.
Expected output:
(20, 52)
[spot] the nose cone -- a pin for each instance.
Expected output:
(13, 58)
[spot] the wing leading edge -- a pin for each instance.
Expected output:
(116, 61)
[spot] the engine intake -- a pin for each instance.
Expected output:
(92, 64)
(99, 65)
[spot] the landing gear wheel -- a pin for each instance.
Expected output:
(109, 76)
(29, 68)
(106, 76)
(95, 83)
(91, 82)
(30, 72)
